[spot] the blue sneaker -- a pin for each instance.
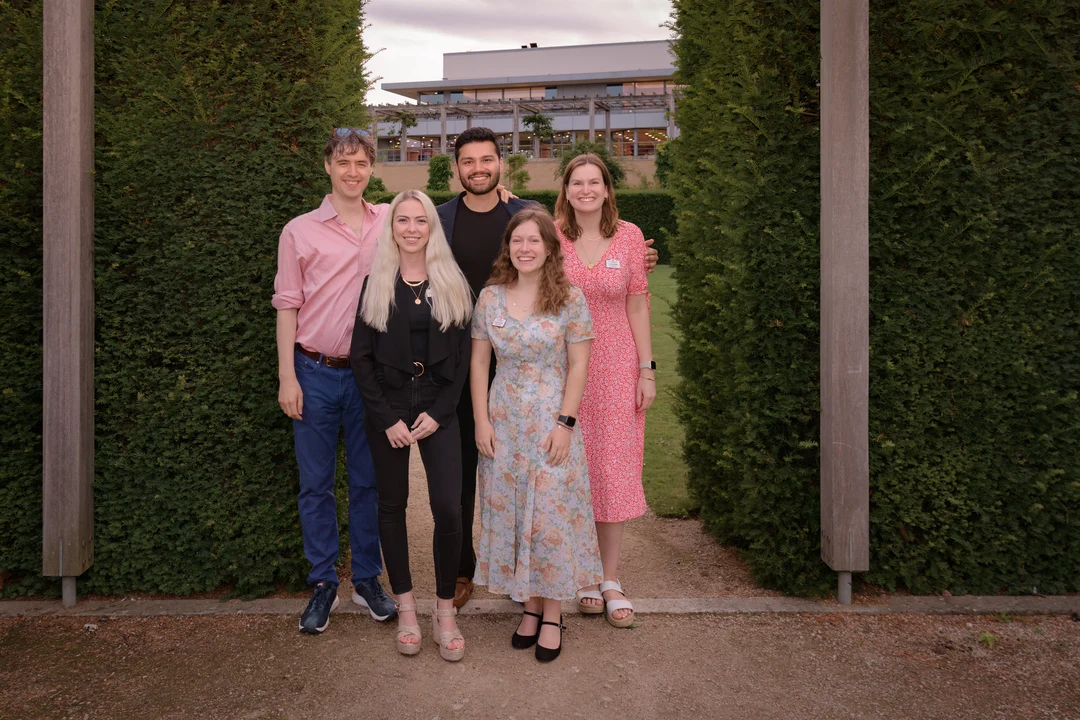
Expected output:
(316, 617)
(370, 594)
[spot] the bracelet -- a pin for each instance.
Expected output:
(565, 427)
(650, 379)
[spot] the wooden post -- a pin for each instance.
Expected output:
(845, 288)
(375, 134)
(592, 120)
(442, 131)
(403, 139)
(67, 547)
(607, 128)
(516, 142)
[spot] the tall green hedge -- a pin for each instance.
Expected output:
(210, 122)
(975, 289)
(649, 210)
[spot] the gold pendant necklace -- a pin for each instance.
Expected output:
(415, 289)
(589, 262)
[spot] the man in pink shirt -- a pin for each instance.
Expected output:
(323, 258)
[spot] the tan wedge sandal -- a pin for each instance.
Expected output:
(443, 638)
(404, 631)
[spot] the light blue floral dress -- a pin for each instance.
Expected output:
(537, 535)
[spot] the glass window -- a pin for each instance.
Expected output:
(613, 90)
(550, 93)
(517, 93)
(489, 94)
(649, 88)
(538, 93)
(431, 97)
(462, 96)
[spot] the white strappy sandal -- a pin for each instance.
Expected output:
(611, 606)
(589, 608)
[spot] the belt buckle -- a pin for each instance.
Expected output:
(418, 366)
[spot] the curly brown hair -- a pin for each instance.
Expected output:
(554, 290)
(609, 216)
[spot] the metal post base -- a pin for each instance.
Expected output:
(68, 590)
(843, 588)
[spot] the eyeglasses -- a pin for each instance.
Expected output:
(345, 132)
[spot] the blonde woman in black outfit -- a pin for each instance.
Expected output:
(410, 357)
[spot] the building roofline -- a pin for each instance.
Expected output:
(557, 47)
(413, 89)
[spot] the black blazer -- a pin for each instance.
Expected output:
(383, 361)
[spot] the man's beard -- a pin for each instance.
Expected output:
(482, 189)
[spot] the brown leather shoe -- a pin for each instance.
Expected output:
(463, 592)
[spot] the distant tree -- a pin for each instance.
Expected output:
(439, 174)
(539, 125)
(665, 162)
(518, 176)
(581, 147)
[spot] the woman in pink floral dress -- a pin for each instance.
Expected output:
(537, 539)
(605, 257)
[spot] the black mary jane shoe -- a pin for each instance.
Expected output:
(524, 642)
(544, 654)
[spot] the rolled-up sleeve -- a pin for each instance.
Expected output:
(289, 281)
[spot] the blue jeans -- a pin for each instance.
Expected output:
(331, 400)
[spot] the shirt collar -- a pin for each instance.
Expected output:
(326, 211)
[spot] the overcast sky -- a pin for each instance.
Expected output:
(412, 35)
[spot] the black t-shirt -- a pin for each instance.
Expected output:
(476, 241)
(419, 317)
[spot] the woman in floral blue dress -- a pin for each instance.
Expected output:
(538, 538)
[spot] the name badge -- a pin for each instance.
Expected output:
(498, 322)
(613, 264)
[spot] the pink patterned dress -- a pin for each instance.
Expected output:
(611, 426)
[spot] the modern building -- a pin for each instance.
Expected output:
(620, 93)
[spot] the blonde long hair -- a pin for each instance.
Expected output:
(451, 299)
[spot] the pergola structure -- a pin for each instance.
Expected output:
(514, 109)
(68, 301)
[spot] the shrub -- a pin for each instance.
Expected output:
(649, 210)
(516, 172)
(211, 119)
(581, 147)
(975, 290)
(439, 174)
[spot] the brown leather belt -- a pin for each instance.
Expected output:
(328, 360)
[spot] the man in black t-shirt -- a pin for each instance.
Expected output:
(474, 223)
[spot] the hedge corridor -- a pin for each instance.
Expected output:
(975, 289)
(210, 123)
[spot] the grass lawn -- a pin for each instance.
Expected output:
(665, 472)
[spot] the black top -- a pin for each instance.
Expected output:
(476, 241)
(419, 317)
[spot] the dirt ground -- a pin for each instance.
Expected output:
(892, 666)
(670, 666)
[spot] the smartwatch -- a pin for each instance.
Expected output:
(650, 365)
(567, 420)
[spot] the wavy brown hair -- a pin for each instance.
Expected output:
(609, 214)
(554, 290)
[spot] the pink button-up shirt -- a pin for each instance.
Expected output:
(321, 268)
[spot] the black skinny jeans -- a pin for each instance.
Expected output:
(441, 453)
